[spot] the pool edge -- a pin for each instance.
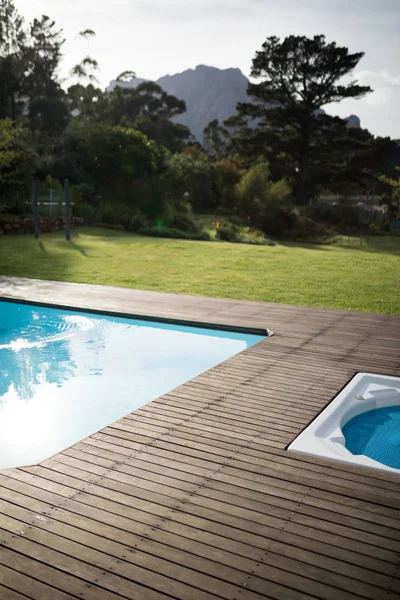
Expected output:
(140, 317)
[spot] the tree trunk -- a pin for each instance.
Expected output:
(302, 190)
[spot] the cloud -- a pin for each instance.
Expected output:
(382, 77)
(196, 10)
(378, 109)
(386, 87)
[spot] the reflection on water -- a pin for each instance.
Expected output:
(39, 351)
(65, 375)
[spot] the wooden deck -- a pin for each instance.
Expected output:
(194, 496)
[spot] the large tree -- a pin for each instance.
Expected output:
(298, 76)
(47, 107)
(12, 37)
(149, 109)
(104, 154)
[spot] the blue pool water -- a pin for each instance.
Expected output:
(64, 375)
(376, 434)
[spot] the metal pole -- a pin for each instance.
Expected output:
(35, 209)
(66, 199)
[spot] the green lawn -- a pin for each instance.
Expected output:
(348, 276)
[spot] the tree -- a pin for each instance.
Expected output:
(86, 102)
(393, 201)
(105, 155)
(215, 139)
(195, 180)
(393, 183)
(17, 160)
(47, 107)
(87, 67)
(230, 172)
(12, 38)
(126, 76)
(261, 199)
(299, 75)
(149, 109)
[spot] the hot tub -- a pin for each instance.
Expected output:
(360, 426)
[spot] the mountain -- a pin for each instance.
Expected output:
(209, 93)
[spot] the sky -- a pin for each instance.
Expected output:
(160, 37)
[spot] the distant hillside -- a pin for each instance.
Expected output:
(209, 93)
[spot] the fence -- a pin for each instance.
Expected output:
(51, 203)
(361, 209)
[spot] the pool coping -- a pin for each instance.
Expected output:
(141, 317)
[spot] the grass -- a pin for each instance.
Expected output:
(346, 276)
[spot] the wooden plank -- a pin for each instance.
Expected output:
(196, 488)
(8, 594)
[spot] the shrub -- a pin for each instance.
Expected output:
(108, 226)
(18, 161)
(181, 217)
(228, 232)
(116, 213)
(262, 200)
(138, 221)
(278, 222)
(196, 178)
(86, 211)
(50, 183)
(378, 228)
(184, 223)
(15, 202)
(230, 173)
(169, 232)
(87, 192)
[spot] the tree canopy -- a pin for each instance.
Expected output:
(298, 76)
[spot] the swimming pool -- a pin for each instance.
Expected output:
(66, 374)
(360, 426)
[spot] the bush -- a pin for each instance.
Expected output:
(16, 202)
(86, 211)
(262, 200)
(230, 173)
(86, 192)
(108, 226)
(181, 217)
(305, 229)
(138, 221)
(169, 232)
(228, 232)
(279, 222)
(184, 223)
(18, 160)
(196, 178)
(50, 183)
(380, 228)
(117, 213)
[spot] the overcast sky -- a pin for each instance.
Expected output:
(160, 37)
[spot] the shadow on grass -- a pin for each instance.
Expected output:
(80, 249)
(47, 258)
(104, 233)
(304, 245)
(373, 244)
